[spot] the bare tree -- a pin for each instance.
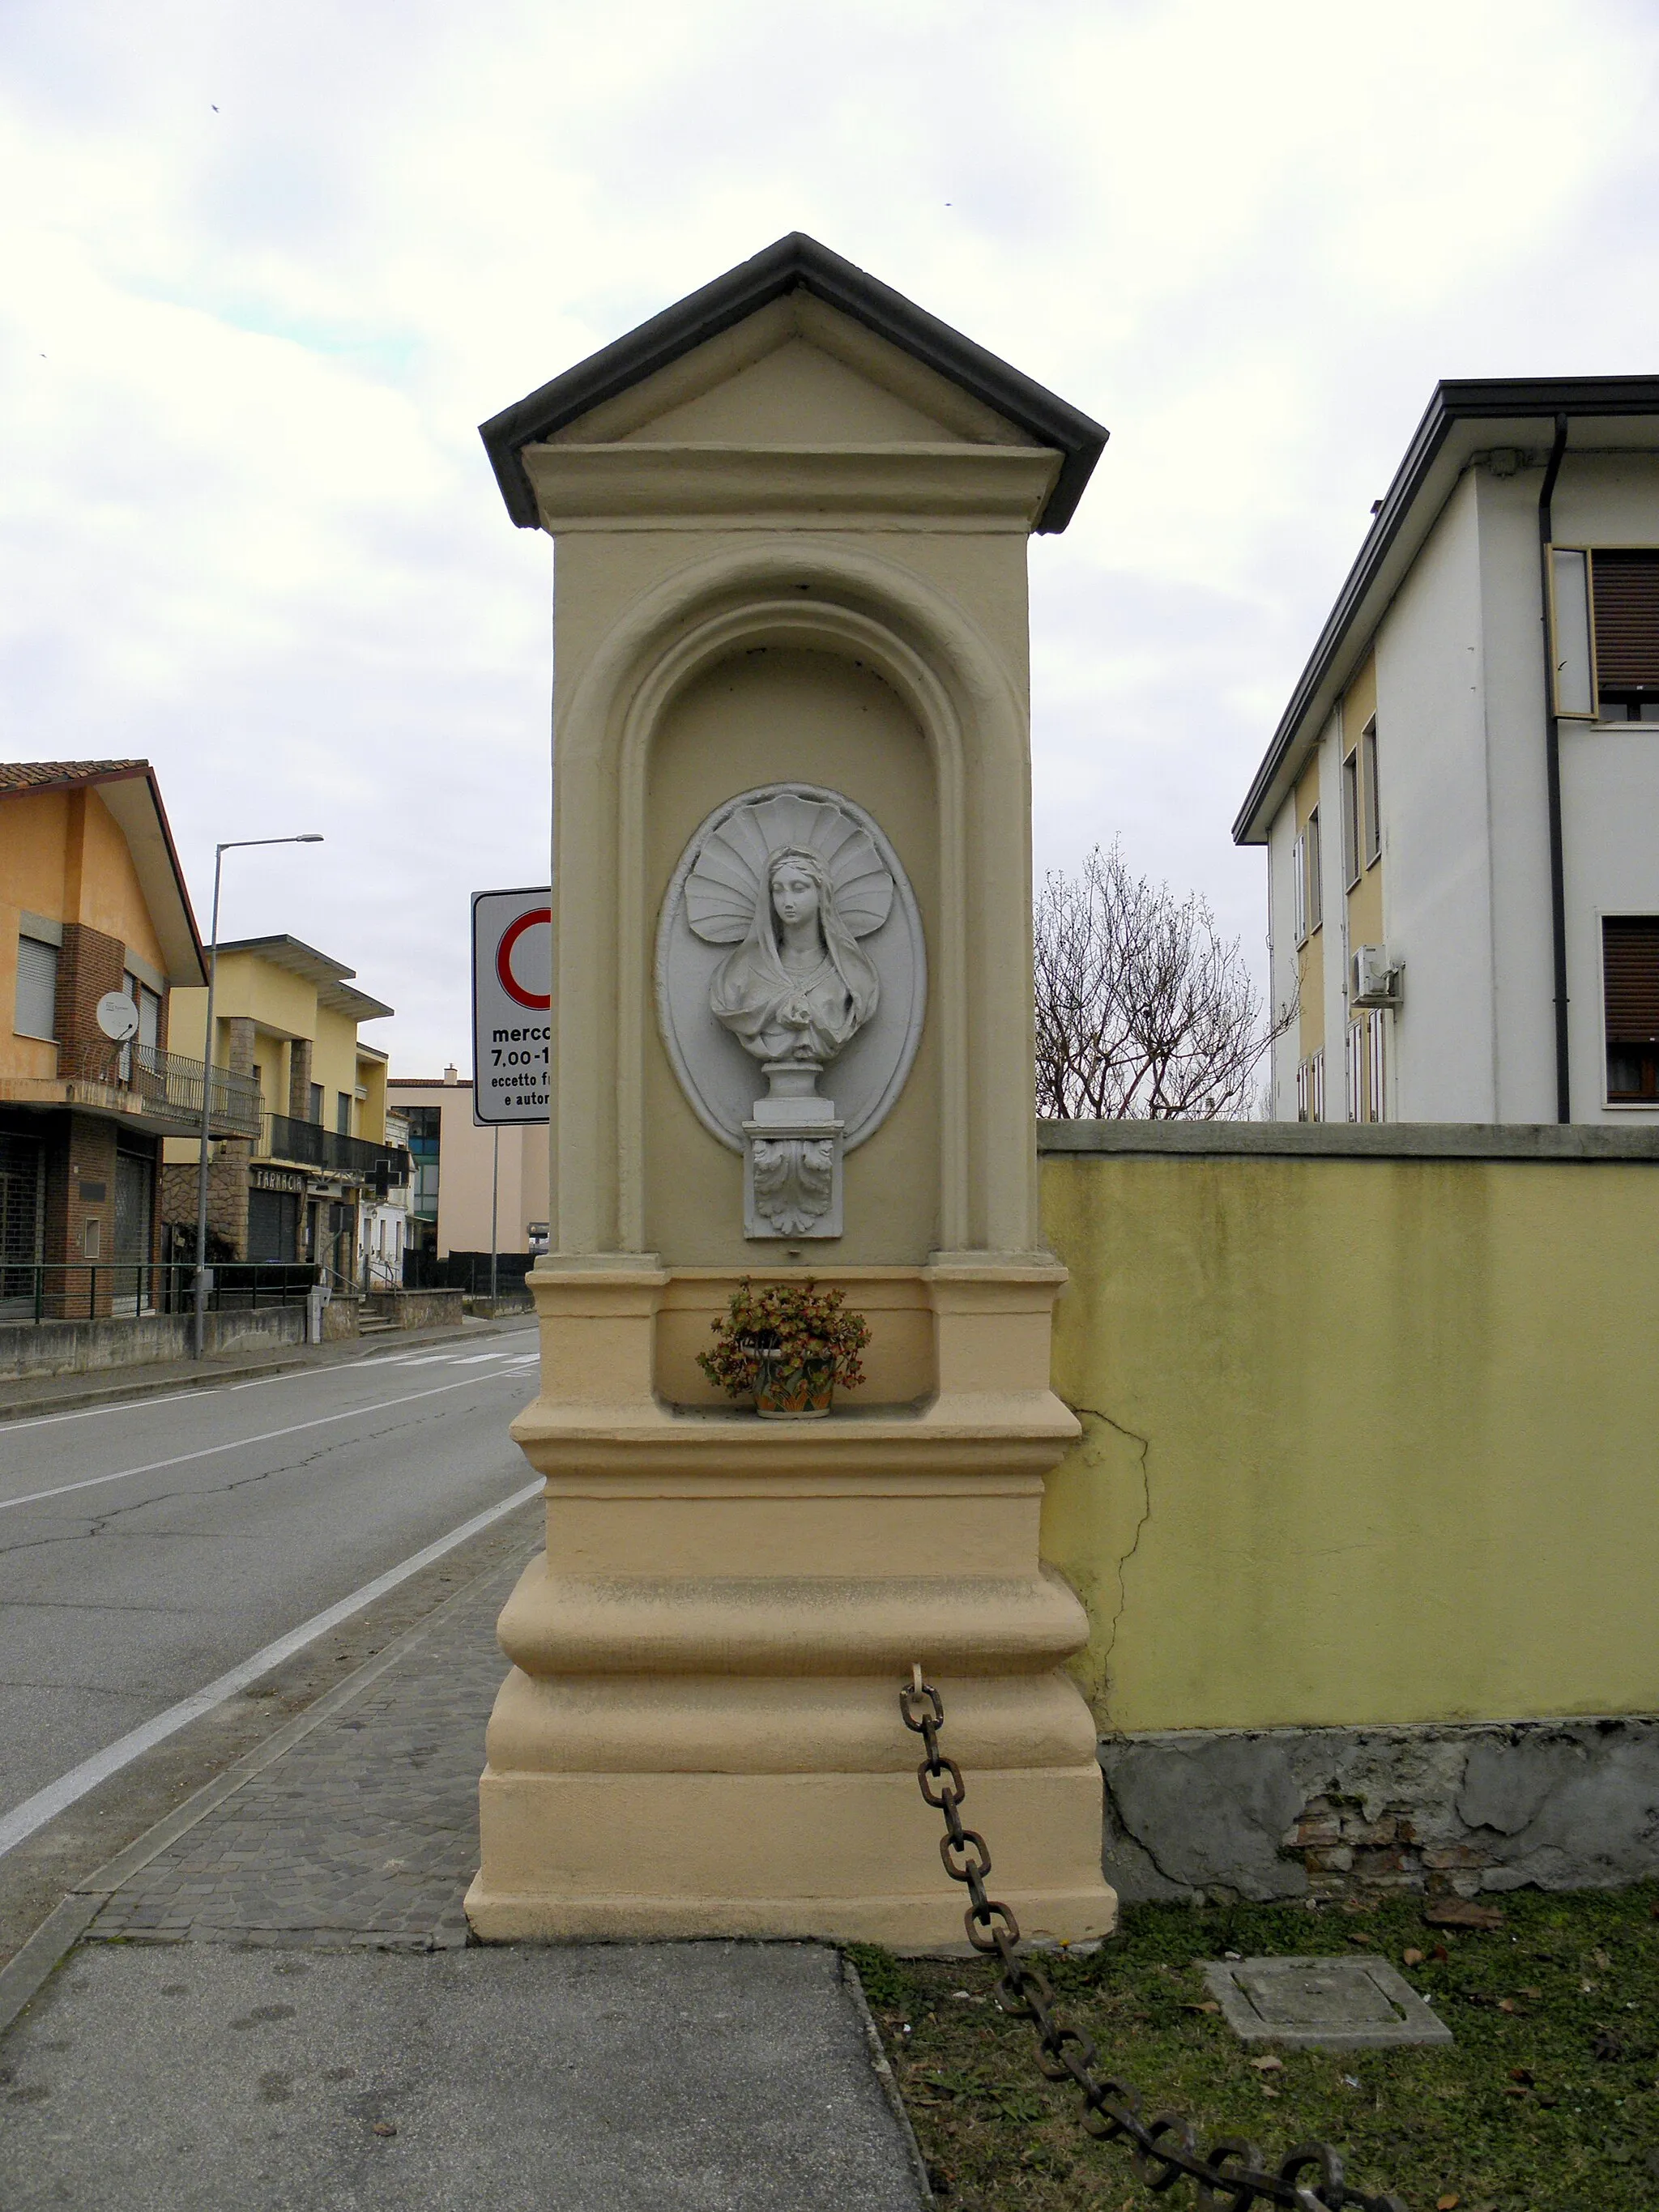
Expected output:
(1144, 1011)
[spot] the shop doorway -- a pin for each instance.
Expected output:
(135, 1194)
(22, 1184)
(273, 1225)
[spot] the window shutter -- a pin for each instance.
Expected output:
(1626, 596)
(37, 988)
(1630, 972)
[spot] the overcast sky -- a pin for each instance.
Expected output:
(263, 271)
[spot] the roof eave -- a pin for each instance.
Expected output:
(280, 951)
(796, 262)
(1514, 399)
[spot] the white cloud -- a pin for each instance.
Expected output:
(248, 529)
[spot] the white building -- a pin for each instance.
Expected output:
(1460, 805)
(383, 1220)
(464, 1174)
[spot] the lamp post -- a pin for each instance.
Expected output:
(198, 1331)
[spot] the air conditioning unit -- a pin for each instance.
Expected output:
(1375, 978)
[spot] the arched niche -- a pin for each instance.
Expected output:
(768, 713)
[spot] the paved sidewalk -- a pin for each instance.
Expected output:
(365, 1833)
(714, 2077)
(277, 2011)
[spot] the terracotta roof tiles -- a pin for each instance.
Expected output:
(46, 775)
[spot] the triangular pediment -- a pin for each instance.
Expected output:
(795, 373)
(795, 349)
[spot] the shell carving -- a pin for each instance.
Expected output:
(729, 876)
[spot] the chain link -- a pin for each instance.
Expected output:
(1231, 2175)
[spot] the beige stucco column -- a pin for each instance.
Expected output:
(791, 518)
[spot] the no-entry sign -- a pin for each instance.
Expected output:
(512, 993)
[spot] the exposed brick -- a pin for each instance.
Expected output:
(1443, 1857)
(1380, 1833)
(1374, 1866)
(80, 1190)
(88, 964)
(1317, 1834)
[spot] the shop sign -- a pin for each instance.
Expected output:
(274, 1179)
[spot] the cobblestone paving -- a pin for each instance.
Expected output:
(366, 1832)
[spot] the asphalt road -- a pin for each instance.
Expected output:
(147, 1548)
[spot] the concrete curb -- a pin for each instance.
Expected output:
(882, 2067)
(32, 1965)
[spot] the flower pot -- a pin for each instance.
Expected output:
(794, 1393)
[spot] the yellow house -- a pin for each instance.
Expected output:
(93, 912)
(286, 1019)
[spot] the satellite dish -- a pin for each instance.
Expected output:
(117, 1017)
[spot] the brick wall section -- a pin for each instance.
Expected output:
(88, 965)
(1352, 1815)
(299, 1079)
(75, 1173)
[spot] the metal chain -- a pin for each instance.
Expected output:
(1231, 2176)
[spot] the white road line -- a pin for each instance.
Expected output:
(241, 1443)
(46, 1804)
(373, 1363)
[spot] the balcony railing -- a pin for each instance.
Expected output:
(307, 1144)
(163, 1088)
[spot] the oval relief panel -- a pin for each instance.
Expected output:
(790, 936)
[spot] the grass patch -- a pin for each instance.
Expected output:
(1546, 2101)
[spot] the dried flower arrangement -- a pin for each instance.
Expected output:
(786, 1345)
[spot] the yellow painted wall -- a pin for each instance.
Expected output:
(62, 855)
(271, 1057)
(369, 1120)
(1365, 1440)
(277, 1002)
(334, 1061)
(282, 1006)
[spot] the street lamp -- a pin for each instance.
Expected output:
(198, 1332)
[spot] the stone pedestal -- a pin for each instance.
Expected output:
(701, 1735)
(791, 1160)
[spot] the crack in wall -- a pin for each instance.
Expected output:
(1129, 1436)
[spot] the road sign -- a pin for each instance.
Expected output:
(511, 994)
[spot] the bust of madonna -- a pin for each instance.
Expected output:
(799, 987)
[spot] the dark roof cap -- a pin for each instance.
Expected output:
(795, 263)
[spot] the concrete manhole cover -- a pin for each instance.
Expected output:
(1338, 2003)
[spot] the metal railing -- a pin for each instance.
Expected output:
(165, 1086)
(98, 1290)
(307, 1144)
(465, 1271)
